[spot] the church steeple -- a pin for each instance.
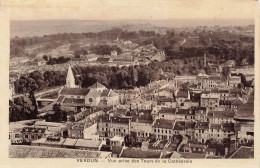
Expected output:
(70, 80)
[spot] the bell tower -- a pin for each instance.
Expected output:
(70, 80)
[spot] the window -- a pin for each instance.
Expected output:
(169, 132)
(90, 100)
(39, 137)
(154, 130)
(26, 136)
(17, 136)
(162, 131)
(166, 131)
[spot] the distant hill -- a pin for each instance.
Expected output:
(46, 27)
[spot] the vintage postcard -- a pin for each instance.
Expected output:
(125, 83)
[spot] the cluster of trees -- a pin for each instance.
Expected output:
(114, 77)
(23, 108)
(105, 49)
(222, 44)
(37, 81)
(59, 60)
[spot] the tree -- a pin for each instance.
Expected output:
(77, 56)
(45, 57)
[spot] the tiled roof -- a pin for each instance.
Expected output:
(94, 93)
(102, 59)
(190, 124)
(18, 151)
(105, 93)
(215, 126)
(202, 125)
(228, 127)
(182, 94)
(168, 110)
(87, 143)
(219, 91)
(246, 111)
(179, 125)
(120, 120)
(97, 85)
(140, 154)
(162, 123)
(195, 97)
(74, 91)
(60, 99)
(243, 152)
(70, 142)
(185, 111)
(74, 101)
(221, 114)
(104, 119)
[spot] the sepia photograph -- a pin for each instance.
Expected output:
(117, 79)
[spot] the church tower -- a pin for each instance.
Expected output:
(70, 80)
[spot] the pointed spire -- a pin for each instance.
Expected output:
(70, 80)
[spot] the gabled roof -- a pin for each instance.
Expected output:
(112, 93)
(105, 93)
(74, 91)
(97, 85)
(140, 154)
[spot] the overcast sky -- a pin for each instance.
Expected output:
(130, 9)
